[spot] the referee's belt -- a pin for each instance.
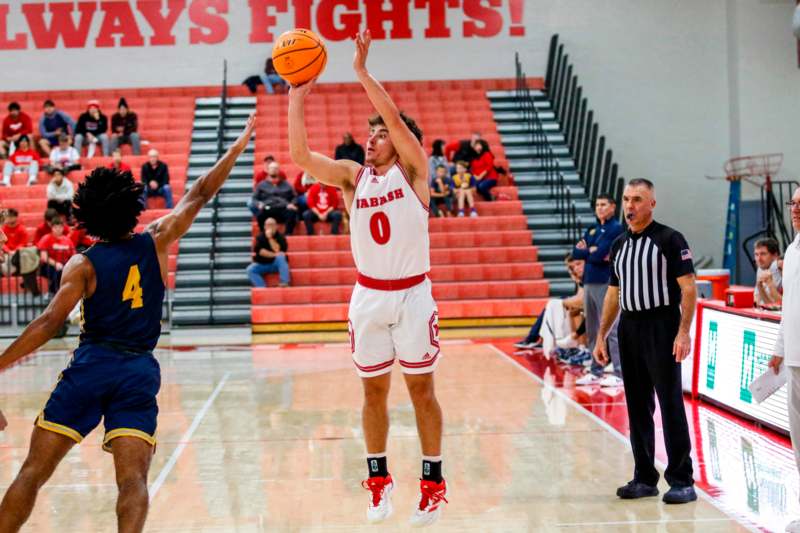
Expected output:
(390, 284)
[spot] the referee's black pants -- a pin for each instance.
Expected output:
(648, 365)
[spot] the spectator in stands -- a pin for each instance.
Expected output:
(323, 206)
(302, 182)
(24, 159)
(55, 249)
(464, 184)
(45, 228)
(436, 158)
(117, 163)
(269, 255)
(155, 176)
(274, 198)
(125, 128)
(350, 149)
(441, 193)
(270, 167)
(64, 157)
(768, 291)
(92, 128)
(16, 234)
(52, 124)
(553, 322)
(482, 168)
(462, 150)
(16, 124)
(269, 78)
(595, 247)
(59, 194)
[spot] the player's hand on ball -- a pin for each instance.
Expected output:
(363, 40)
(600, 351)
(301, 91)
(3, 422)
(681, 346)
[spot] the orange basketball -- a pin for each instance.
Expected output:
(299, 56)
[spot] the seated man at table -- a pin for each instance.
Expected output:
(769, 281)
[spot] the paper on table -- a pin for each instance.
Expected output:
(767, 384)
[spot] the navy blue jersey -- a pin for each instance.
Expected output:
(125, 310)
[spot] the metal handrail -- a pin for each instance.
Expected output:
(212, 256)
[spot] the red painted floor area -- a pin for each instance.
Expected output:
(748, 471)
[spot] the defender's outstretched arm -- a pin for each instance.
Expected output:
(174, 225)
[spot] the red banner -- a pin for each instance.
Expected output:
(70, 23)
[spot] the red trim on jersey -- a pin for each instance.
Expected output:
(358, 177)
(389, 284)
(408, 180)
(423, 364)
(374, 368)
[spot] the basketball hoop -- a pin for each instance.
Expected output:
(752, 167)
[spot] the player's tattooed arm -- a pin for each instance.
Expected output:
(76, 281)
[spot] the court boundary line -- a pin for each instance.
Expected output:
(742, 521)
(186, 438)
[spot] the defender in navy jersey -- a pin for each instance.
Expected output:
(113, 376)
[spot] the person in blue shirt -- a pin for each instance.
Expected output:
(113, 375)
(52, 125)
(594, 248)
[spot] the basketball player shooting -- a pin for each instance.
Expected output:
(120, 282)
(392, 313)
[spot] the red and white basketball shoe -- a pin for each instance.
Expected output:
(380, 501)
(431, 502)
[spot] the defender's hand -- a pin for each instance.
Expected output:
(241, 143)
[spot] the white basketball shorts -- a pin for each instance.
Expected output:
(394, 324)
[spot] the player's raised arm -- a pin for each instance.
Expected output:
(412, 155)
(173, 226)
(341, 173)
(74, 284)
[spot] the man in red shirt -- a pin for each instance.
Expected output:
(323, 203)
(116, 162)
(270, 168)
(23, 159)
(55, 250)
(16, 233)
(15, 125)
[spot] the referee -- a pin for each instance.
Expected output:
(652, 281)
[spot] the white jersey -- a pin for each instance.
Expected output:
(388, 226)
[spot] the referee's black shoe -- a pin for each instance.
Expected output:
(634, 490)
(680, 495)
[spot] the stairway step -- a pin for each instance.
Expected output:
(208, 160)
(231, 101)
(526, 180)
(526, 139)
(562, 288)
(515, 105)
(532, 152)
(550, 253)
(208, 147)
(189, 245)
(241, 214)
(211, 135)
(202, 279)
(521, 127)
(239, 172)
(519, 116)
(524, 165)
(224, 314)
(496, 96)
(226, 230)
(223, 261)
(226, 296)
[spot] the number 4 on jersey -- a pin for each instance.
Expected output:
(133, 288)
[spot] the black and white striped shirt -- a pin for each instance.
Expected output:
(647, 265)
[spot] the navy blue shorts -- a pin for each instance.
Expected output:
(103, 383)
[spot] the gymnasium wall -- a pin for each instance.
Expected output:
(678, 86)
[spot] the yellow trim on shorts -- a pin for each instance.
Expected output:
(58, 428)
(127, 432)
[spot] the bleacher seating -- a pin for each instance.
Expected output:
(165, 117)
(481, 267)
